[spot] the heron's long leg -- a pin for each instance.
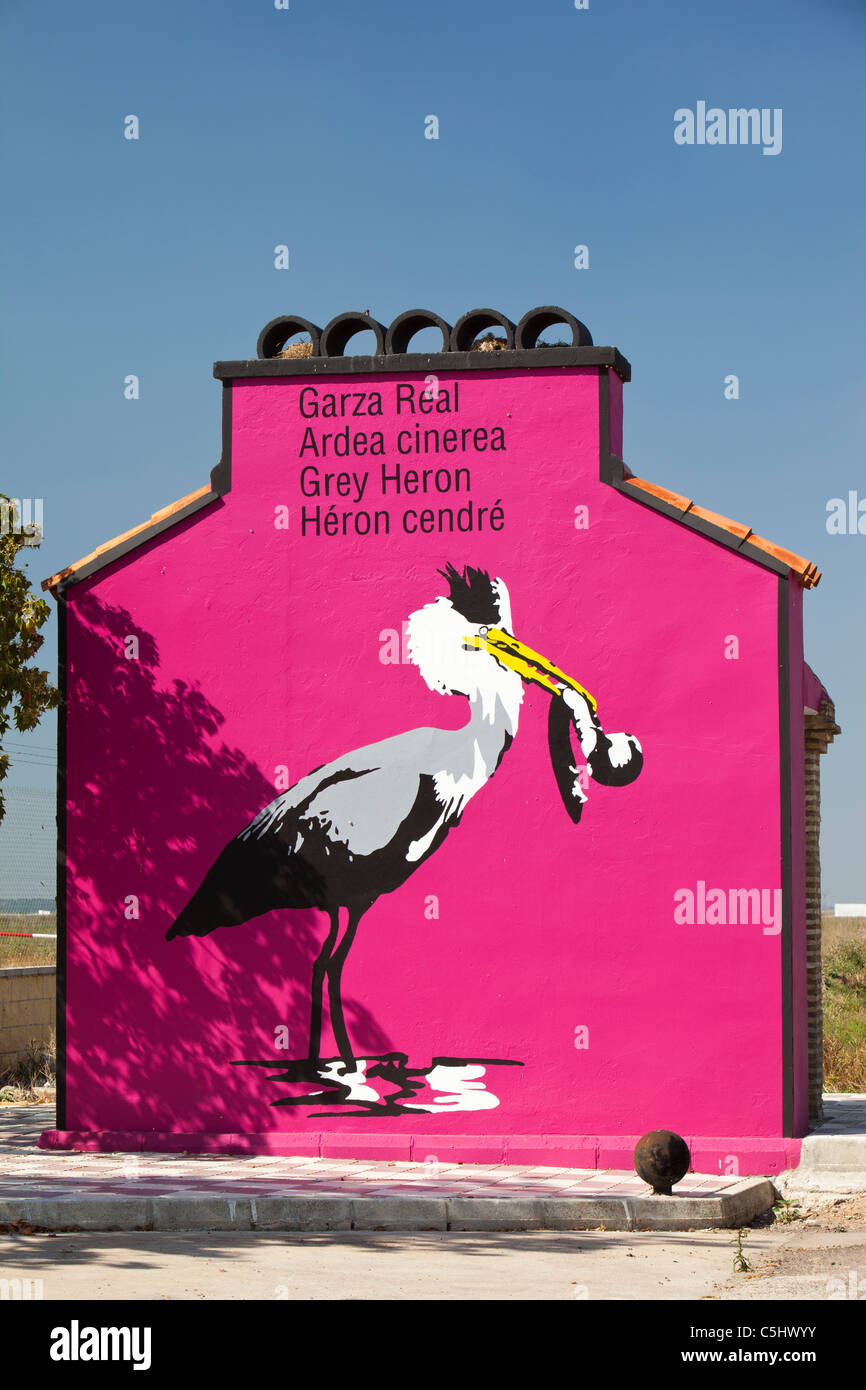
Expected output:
(335, 970)
(319, 969)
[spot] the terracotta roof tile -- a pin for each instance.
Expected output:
(125, 535)
(736, 528)
(807, 573)
(674, 499)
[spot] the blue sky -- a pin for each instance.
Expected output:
(306, 127)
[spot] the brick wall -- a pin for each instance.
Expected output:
(27, 1009)
(820, 730)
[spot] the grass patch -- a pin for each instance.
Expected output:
(17, 951)
(843, 956)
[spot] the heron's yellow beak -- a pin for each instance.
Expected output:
(529, 665)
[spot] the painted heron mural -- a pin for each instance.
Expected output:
(360, 826)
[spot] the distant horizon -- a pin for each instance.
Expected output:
(27, 907)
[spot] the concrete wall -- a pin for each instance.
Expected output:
(27, 1009)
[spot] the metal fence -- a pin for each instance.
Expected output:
(28, 877)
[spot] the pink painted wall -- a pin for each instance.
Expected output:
(260, 648)
(813, 691)
(799, 977)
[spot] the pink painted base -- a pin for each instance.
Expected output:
(744, 1157)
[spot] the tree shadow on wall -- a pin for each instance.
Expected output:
(154, 795)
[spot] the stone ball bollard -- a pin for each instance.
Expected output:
(661, 1158)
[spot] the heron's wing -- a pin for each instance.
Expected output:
(361, 800)
(348, 832)
(367, 812)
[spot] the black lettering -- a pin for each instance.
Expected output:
(309, 443)
(305, 520)
(310, 489)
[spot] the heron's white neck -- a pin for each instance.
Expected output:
(477, 750)
(497, 706)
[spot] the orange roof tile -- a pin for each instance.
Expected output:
(807, 573)
(125, 535)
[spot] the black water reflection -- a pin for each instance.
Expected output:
(385, 1084)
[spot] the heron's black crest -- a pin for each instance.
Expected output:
(472, 594)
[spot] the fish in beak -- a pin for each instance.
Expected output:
(530, 665)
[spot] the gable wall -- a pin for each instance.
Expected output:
(260, 649)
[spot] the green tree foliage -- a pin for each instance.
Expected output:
(25, 691)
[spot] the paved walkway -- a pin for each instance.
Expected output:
(833, 1156)
(843, 1114)
(63, 1189)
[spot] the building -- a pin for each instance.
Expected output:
(567, 935)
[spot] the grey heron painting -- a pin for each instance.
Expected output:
(359, 826)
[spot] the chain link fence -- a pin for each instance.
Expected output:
(28, 877)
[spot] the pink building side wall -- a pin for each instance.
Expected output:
(261, 650)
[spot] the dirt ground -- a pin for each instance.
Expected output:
(819, 1255)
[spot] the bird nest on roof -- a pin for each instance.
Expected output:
(297, 350)
(489, 343)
